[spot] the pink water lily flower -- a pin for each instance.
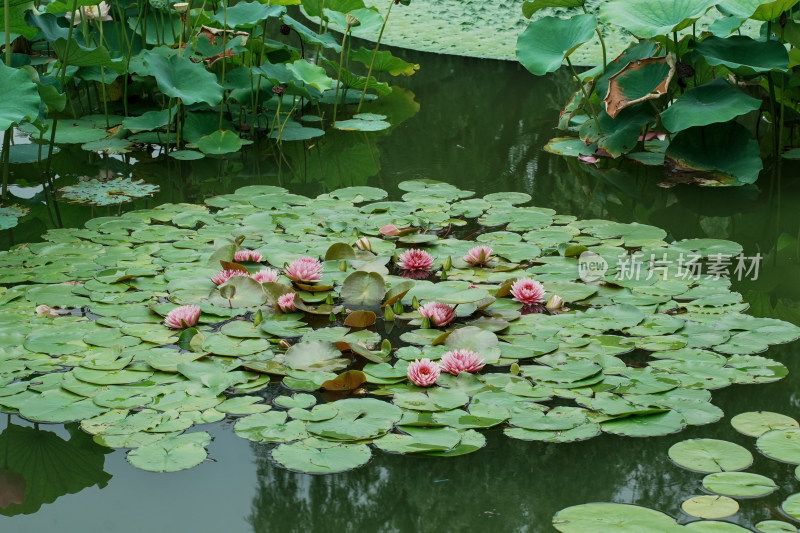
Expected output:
(479, 256)
(390, 230)
(224, 275)
(364, 244)
(182, 317)
(101, 11)
(457, 361)
(415, 259)
(263, 276)
(527, 291)
(305, 269)
(653, 135)
(248, 255)
(423, 372)
(588, 158)
(286, 302)
(438, 313)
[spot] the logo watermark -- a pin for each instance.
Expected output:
(591, 267)
(686, 266)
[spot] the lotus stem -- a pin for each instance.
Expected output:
(103, 71)
(224, 63)
(375, 55)
(339, 76)
(64, 64)
(7, 135)
(599, 36)
(585, 96)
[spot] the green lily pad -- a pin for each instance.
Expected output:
(608, 517)
(781, 444)
(316, 456)
(739, 484)
(710, 506)
(171, 454)
(710, 455)
(757, 423)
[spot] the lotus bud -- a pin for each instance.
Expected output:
(279, 89)
(332, 317)
(415, 303)
(329, 299)
(258, 317)
(398, 307)
(352, 22)
(554, 303)
(444, 275)
(388, 314)
(181, 7)
(364, 244)
(46, 310)
(386, 347)
(448, 264)
(343, 266)
(426, 323)
(284, 344)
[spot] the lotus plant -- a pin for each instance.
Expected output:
(306, 270)
(555, 304)
(182, 317)
(479, 256)
(364, 244)
(415, 259)
(248, 255)
(286, 302)
(437, 313)
(528, 291)
(423, 372)
(100, 12)
(263, 276)
(457, 361)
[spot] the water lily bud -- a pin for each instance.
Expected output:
(181, 7)
(332, 317)
(285, 29)
(414, 303)
(386, 347)
(426, 323)
(448, 264)
(388, 313)
(514, 369)
(343, 266)
(352, 22)
(46, 310)
(398, 307)
(444, 275)
(258, 317)
(329, 299)
(284, 344)
(364, 244)
(554, 303)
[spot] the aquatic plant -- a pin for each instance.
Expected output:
(182, 317)
(457, 361)
(701, 92)
(305, 269)
(423, 372)
(415, 259)
(636, 353)
(528, 291)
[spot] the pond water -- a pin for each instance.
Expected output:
(480, 125)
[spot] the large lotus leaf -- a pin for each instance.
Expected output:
(314, 355)
(744, 54)
(756, 423)
(71, 466)
(710, 455)
(532, 6)
(651, 18)
(713, 102)
(727, 152)
(710, 506)
(171, 453)
(246, 14)
(417, 440)
(316, 456)
(755, 9)
(618, 135)
(781, 445)
(613, 518)
(357, 419)
(646, 426)
(178, 77)
(647, 79)
(219, 142)
(22, 97)
(363, 288)
(542, 47)
(739, 484)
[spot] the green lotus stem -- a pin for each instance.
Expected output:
(599, 36)
(585, 96)
(7, 135)
(103, 71)
(64, 63)
(339, 76)
(780, 126)
(224, 46)
(375, 55)
(7, 29)
(321, 16)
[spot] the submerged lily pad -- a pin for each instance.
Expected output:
(107, 192)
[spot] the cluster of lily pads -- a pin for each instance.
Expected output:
(324, 374)
(724, 463)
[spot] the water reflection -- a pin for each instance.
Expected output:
(38, 466)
